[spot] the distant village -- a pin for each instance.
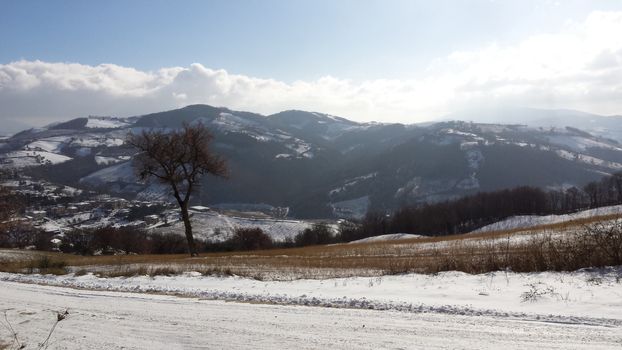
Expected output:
(56, 209)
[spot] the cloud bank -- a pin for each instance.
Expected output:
(579, 67)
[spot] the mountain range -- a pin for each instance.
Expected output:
(323, 166)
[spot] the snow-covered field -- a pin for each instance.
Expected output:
(106, 122)
(20, 159)
(525, 221)
(450, 310)
(589, 296)
(218, 227)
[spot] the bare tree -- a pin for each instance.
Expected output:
(616, 180)
(10, 207)
(178, 158)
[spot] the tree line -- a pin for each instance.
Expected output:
(472, 212)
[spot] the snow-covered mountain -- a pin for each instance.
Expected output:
(321, 165)
(603, 126)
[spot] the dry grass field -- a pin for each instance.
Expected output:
(563, 246)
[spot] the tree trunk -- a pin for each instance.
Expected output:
(186, 217)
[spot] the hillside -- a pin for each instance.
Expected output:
(323, 166)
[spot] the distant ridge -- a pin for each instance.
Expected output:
(320, 165)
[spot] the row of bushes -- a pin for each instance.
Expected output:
(21, 235)
(245, 239)
(111, 240)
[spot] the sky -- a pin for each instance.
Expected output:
(366, 60)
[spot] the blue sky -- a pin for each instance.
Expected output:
(285, 40)
(361, 45)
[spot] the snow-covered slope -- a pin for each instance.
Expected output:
(525, 221)
(106, 122)
(219, 227)
(26, 158)
(116, 173)
(387, 237)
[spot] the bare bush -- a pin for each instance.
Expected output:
(17, 343)
(317, 234)
(167, 244)
(250, 239)
(607, 237)
(78, 241)
(537, 291)
(111, 240)
(108, 241)
(46, 265)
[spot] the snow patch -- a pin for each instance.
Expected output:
(21, 159)
(50, 144)
(94, 122)
(387, 237)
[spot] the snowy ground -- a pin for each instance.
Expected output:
(582, 296)
(525, 221)
(549, 310)
(112, 320)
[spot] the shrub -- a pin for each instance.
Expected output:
(168, 244)
(46, 265)
(107, 241)
(163, 271)
(537, 291)
(78, 241)
(250, 239)
(80, 272)
(111, 240)
(43, 240)
(608, 238)
(317, 234)
(18, 234)
(139, 212)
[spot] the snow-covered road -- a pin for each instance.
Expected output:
(113, 320)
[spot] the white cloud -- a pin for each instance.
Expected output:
(579, 67)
